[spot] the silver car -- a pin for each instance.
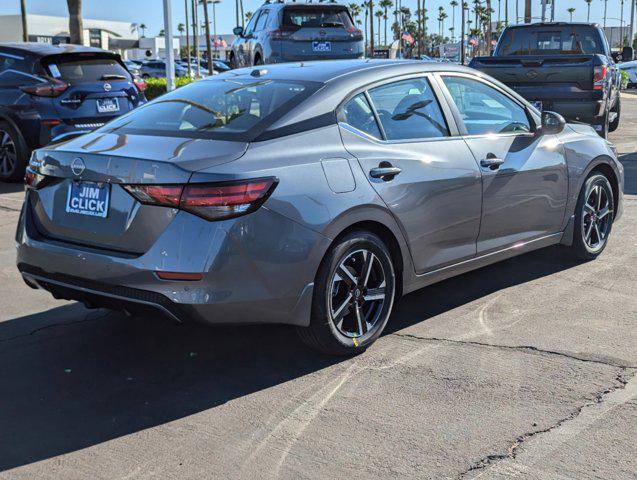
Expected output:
(311, 194)
(157, 69)
(291, 32)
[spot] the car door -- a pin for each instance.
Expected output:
(255, 41)
(525, 182)
(243, 43)
(423, 171)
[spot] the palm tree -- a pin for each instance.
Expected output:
(355, 10)
(249, 16)
(76, 29)
(187, 40)
(371, 27)
(588, 8)
(181, 28)
(453, 4)
(143, 27)
(528, 12)
(206, 20)
(379, 14)
(570, 11)
(161, 33)
(385, 5)
(365, 7)
(23, 14)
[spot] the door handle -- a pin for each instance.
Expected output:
(384, 172)
(492, 162)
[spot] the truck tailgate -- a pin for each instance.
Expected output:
(573, 72)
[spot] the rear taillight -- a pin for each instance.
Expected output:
(140, 84)
(599, 77)
(35, 180)
(52, 88)
(216, 201)
(282, 32)
(354, 30)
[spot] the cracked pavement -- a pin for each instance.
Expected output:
(526, 369)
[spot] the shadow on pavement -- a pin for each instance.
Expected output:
(11, 187)
(98, 376)
(630, 173)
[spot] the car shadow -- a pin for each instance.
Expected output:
(73, 378)
(11, 187)
(629, 162)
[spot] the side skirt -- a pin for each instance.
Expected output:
(435, 276)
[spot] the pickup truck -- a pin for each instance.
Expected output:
(562, 67)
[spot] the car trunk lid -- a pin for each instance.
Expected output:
(100, 164)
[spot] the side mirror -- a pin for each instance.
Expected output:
(238, 31)
(627, 54)
(552, 123)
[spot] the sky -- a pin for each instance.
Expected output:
(150, 12)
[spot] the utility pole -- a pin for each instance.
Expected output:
(23, 11)
(419, 36)
(168, 39)
(528, 12)
(371, 28)
(543, 11)
(195, 32)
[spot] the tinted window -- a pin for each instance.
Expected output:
(316, 17)
(261, 23)
(226, 109)
(80, 69)
(358, 114)
(562, 39)
(251, 23)
(484, 109)
(409, 109)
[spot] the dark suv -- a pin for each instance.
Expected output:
(49, 91)
(289, 32)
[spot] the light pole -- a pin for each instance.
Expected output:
(168, 39)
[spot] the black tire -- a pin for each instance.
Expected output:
(614, 125)
(145, 76)
(233, 61)
(349, 332)
(14, 154)
(257, 60)
(590, 221)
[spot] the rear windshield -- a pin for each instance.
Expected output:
(319, 17)
(80, 69)
(223, 109)
(547, 40)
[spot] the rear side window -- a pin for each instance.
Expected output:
(86, 69)
(224, 109)
(485, 110)
(316, 17)
(359, 115)
(548, 40)
(409, 110)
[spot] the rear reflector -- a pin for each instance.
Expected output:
(183, 277)
(216, 201)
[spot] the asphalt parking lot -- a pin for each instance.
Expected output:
(525, 369)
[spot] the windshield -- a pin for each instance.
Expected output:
(547, 40)
(224, 109)
(81, 69)
(317, 17)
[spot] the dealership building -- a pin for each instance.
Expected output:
(120, 37)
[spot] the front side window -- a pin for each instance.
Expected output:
(223, 109)
(250, 27)
(485, 110)
(409, 110)
(359, 115)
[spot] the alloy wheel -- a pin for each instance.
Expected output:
(8, 154)
(358, 293)
(596, 218)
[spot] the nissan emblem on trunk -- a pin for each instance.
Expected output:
(107, 87)
(77, 166)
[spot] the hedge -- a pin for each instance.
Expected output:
(157, 86)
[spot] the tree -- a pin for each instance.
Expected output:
(588, 10)
(161, 33)
(76, 28)
(206, 20)
(385, 5)
(143, 27)
(570, 11)
(355, 10)
(371, 27)
(181, 28)
(379, 14)
(187, 40)
(23, 13)
(453, 4)
(249, 16)
(528, 12)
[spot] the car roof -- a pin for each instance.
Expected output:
(553, 24)
(325, 71)
(46, 49)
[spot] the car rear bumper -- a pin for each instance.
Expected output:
(251, 274)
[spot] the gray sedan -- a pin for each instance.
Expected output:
(311, 194)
